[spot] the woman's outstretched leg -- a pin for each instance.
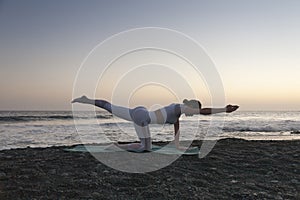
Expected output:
(118, 111)
(99, 103)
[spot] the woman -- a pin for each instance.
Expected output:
(142, 117)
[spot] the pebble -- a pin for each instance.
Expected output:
(250, 183)
(99, 166)
(8, 157)
(278, 197)
(295, 181)
(96, 194)
(269, 172)
(2, 175)
(65, 174)
(94, 174)
(52, 171)
(263, 193)
(274, 181)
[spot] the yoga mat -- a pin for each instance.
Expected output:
(168, 149)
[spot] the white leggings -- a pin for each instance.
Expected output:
(138, 115)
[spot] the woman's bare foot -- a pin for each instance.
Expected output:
(136, 147)
(82, 99)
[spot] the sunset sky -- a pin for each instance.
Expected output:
(255, 46)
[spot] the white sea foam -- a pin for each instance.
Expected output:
(42, 129)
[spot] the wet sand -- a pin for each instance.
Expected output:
(234, 169)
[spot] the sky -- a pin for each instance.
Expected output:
(255, 46)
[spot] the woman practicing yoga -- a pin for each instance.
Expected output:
(142, 117)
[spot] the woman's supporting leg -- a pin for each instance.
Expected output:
(143, 133)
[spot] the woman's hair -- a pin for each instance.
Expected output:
(192, 103)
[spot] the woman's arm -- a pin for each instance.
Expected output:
(228, 109)
(176, 136)
(208, 111)
(176, 133)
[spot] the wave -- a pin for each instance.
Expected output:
(26, 118)
(267, 129)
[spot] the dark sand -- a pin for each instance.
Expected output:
(234, 169)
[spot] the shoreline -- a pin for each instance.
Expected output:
(235, 169)
(193, 143)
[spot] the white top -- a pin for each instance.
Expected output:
(168, 114)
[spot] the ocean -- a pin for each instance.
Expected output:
(21, 129)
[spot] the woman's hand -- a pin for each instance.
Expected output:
(230, 108)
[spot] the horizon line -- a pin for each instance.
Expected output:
(54, 110)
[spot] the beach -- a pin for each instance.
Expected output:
(234, 169)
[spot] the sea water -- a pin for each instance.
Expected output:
(19, 129)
